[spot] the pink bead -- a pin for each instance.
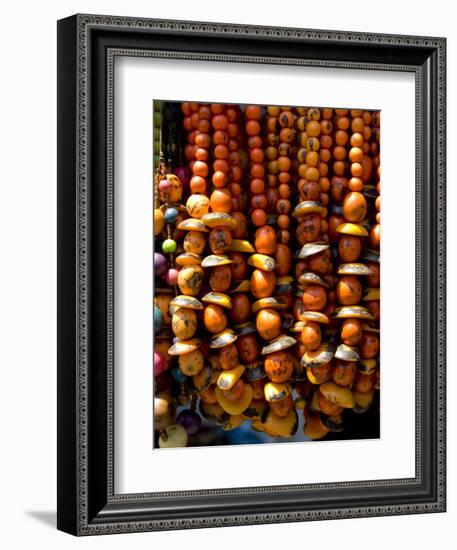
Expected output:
(159, 363)
(171, 276)
(165, 186)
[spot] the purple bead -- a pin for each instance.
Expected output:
(160, 264)
(183, 174)
(190, 421)
(159, 363)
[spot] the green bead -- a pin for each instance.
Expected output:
(168, 246)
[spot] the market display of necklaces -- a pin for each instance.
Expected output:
(266, 307)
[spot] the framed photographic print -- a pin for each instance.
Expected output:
(226, 294)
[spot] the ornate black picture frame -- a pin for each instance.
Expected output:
(87, 46)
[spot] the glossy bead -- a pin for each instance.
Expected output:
(262, 283)
(184, 323)
(349, 248)
(190, 421)
(228, 357)
(354, 207)
(194, 242)
(171, 215)
(314, 298)
(351, 332)
(171, 276)
(159, 363)
(349, 290)
(173, 436)
(221, 200)
(197, 205)
(220, 240)
(160, 264)
(190, 279)
(214, 318)
(343, 373)
(169, 246)
(311, 335)
(248, 347)
(278, 366)
(268, 323)
(191, 363)
(265, 240)
(165, 187)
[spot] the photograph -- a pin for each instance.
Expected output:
(225, 293)
(267, 258)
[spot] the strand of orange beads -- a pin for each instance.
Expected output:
(367, 377)
(279, 143)
(241, 305)
(272, 317)
(286, 166)
(351, 207)
(352, 233)
(327, 268)
(297, 154)
(288, 147)
(375, 281)
(271, 130)
(200, 140)
(314, 260)
(229, 393)
(232, 389)
(277, 180)
(311, 211)
(347, 237)
(280, 139)
(262, 345)
(257, 188)
(262, 199)
(283, 207)
(375, 236)
(307, 190)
